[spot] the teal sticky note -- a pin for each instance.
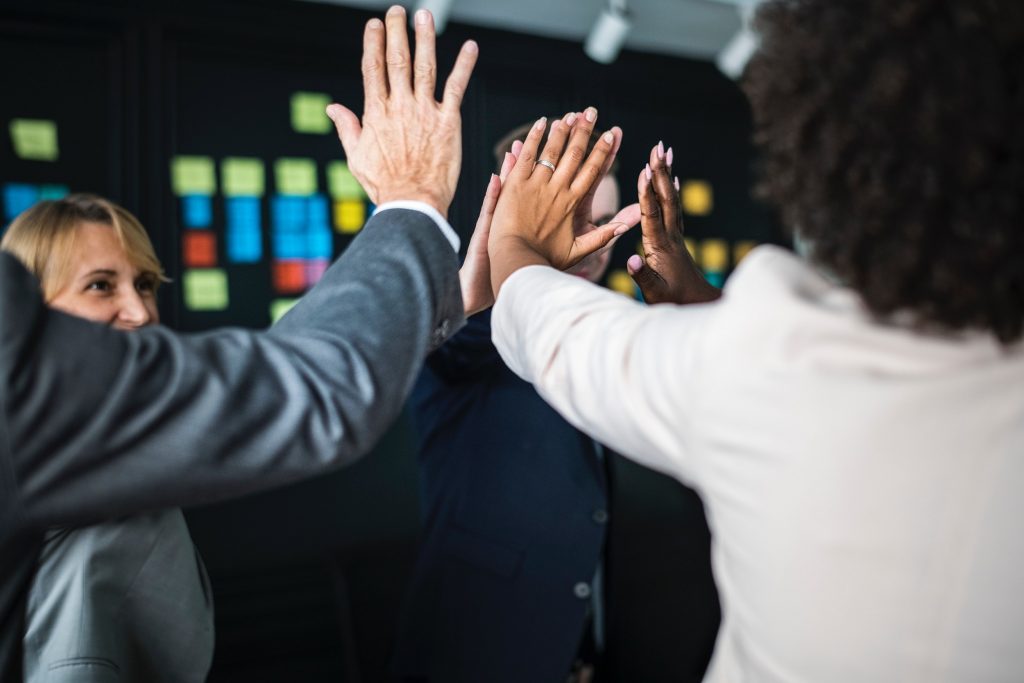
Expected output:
(278, 307)
(295, 176)
(341, 183)
(193, 175)
(309, 113)
(53, 192)
(34, 139)
(242, 177)
(206, 289)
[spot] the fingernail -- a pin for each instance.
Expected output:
(330, 111)
(570, 118)
(647, 170)
(661, 150)
(668, 157)
(676, 183)
(422, 17)
(608, 137)
(471, 47)
(395, 10)
(591, 114)
(375, 23)
(555, 124)
(541, 122)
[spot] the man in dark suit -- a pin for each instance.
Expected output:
(96, 424)
(510, 582)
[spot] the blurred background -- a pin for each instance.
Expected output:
(205, 119)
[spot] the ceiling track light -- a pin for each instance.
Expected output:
(606, 38)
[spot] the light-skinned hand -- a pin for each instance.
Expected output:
(408, 145)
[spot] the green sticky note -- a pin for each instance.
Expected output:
(52, 192)
(278, 307)
(193, 175)
(34, 139)
(309, 113)
(295, 176)
(242, 176)
(206, 289)
(341, 183)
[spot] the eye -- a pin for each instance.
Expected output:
(146, 285)
(103, 286)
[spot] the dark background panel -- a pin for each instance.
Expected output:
(308, 579)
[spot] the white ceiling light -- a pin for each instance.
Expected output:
(733, 58)
(439, 8)
(606, 39)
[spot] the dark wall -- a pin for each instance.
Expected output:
(308, 579)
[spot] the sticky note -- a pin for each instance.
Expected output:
(714, 256)
(18, 197)
(309, 113)
(315, 270)
(620, 281)
(242, 176)
(278, 307)
(193, 175)
(295, 176)
(741, 249)
(199, 249)
(349, 215)
(242, 213)
(289, 276)
(341, 184)
(53, 192)
(698, 198)
(288, 213)
(244, 240)
(244, 246)
(205, 289)
(715, 279)
(34, 139)
(319, 243)
(691, 247)
(196, 211)
(316, 212)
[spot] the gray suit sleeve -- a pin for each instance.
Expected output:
(103, 423)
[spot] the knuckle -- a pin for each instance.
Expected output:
(575, 154)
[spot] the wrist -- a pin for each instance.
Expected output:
(431, 199)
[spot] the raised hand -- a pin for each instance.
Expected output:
(533, 220)
(666, 272)
(408, 145)
(475, 274)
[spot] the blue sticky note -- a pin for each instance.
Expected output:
(319, 216)
(53, 192)
(243, 213)
(288, 212)
(244, 246)
(319, 243)
(18, 197)
(196, 211)
(289, 244)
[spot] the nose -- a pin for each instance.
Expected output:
(133, 311)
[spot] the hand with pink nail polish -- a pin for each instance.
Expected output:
(665, 272)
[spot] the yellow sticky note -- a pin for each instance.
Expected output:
(242, 177)
(714, 255)
(741, 249)
(34, 139)
(341, 183)
(278, 307)
(295, 176)
(698, 198)
(206, 289)
(193, 175)
(309, 113)
(349, 216)
(620, 281)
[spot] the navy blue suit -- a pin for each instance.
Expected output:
(515, 515)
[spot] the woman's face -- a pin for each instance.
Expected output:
(104, 286)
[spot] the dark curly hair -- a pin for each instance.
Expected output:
(891, 135)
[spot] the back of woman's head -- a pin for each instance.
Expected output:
(892, 140)
(43, 238)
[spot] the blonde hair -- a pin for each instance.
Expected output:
(43, 238)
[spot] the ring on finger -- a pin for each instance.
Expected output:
(547, 164)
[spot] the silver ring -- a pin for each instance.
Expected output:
(546, 164)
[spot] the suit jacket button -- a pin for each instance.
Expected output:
(581, 590)
(600, 516)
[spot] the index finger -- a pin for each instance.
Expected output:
(375, 81)
(458, 79)
(590, 174)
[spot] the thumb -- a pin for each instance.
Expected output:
(347, 125)
(646, 278)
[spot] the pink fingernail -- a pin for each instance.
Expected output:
(591, 114)
(676, 183)
(647, 170)
(609, 137)
(668, 156)
(422, 17)
(541, 122)
(661, 150)
(570, 118)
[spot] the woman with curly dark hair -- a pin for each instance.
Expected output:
(853, 417)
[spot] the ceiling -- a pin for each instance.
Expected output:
(687, 28)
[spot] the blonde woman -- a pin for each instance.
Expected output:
(127, 600)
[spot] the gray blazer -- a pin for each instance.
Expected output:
(96, 424)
